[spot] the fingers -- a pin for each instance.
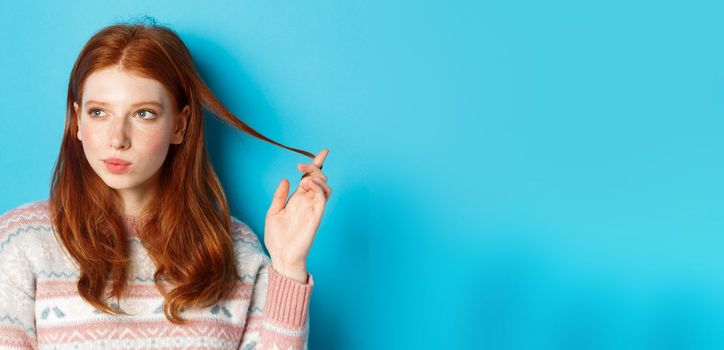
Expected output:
(280, 197)
(316, 181)
(312, 170)
(319, 158)
(317, 162)
(317, 185)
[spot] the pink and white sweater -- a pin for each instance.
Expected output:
(40, 307)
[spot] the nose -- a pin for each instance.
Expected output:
(118, 133)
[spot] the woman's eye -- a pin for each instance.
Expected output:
(94, 112)
(146, 114)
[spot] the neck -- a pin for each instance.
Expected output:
(135, 199)
(133, 206)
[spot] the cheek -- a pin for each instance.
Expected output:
(155, 145)
(88, 136)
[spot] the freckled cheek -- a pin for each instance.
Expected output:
(156, 146)
(90, 137)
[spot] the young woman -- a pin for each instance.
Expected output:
(135, 246)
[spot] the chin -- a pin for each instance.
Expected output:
(118, 185)
(119, 182)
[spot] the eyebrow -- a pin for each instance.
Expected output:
(159, 105)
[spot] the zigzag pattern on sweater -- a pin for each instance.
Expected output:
(40, 306)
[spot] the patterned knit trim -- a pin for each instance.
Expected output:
(120, 329)
(286, 297)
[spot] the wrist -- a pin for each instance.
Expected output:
(295, 272)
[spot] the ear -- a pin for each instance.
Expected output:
(77, 114)
(181, 123)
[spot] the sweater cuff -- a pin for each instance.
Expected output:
(287, 300)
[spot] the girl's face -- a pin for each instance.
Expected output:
(130, 118)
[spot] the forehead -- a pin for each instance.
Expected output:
(113, 85)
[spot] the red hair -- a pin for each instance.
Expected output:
(186, 227)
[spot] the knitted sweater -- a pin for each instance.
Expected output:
(40, 307)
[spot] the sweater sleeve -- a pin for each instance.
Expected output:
(17, 292)
(278, 315)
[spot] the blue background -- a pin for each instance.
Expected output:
(506, 175)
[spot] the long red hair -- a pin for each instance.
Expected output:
(186, 228)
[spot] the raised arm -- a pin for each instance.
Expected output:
(278, 316)
(283, 287)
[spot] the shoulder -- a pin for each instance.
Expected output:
(30, 211)
(242, 233)
(239, 227)
(24, 231)
(23, 219)
(247, 245)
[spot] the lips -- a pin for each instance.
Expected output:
(117, 166)
(116, 161)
